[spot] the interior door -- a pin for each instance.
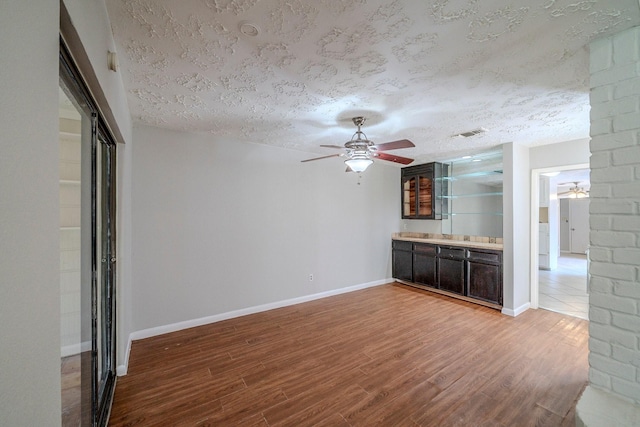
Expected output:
(579, 225)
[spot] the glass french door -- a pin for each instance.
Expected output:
(88, 171)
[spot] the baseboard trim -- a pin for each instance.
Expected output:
(73, 349)
(518, 311)
(165, 329)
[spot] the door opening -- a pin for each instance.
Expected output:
(558, 279)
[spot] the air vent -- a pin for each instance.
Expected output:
(470, 133)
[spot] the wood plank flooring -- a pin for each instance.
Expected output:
(389, 356)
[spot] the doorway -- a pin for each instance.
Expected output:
(87, 253)
(558, 276)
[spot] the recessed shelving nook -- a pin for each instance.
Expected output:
(472, 195)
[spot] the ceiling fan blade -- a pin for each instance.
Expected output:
(394, 145)
(332, 146)
(349, 169)
(323, 157)
(394, 158)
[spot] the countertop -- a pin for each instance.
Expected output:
(413, 237)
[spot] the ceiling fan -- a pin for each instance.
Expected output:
(360, 152)
(574, 192)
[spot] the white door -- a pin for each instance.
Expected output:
(579, 222)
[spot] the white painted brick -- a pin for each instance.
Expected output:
(626, 223)
(611, 367)
(600, 379)
(600, 55)
(612, 207)
(626, 388)
(600, 347)
(627, 156)
(628, 104)
(612, 239)
(601, 94)
(600, 159)
(613, 302)
(627, 256)
(628, 322)
(617, 174)
(625, 88)
(599, 315)
(627, 289)
(613, 75)
(599, 222)
(625, 355)
(627, 189)
(626, 121)
(600, 190)
(601, 127)
(613, 141)
(625, 47)
(601, 285)
(597, 253)
(613, 335)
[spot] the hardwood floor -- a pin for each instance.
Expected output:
(389, 355)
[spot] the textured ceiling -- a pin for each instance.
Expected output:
(422, 70)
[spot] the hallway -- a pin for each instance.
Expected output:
(564, 290)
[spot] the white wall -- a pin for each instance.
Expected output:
(561, 154)
(222, 226)
(29, 216)
(516, 219)
(29, 212)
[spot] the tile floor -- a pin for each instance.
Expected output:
(564, 290)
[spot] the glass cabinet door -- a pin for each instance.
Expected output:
(425, 194)
(409, 197)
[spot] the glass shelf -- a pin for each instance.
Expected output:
(459, 196)
(471, 175)
(474, 213)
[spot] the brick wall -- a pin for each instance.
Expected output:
(615, 215)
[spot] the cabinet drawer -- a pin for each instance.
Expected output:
(402, 245)
(425, 249)
(452, 253)
(489, 257)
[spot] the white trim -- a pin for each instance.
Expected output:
(165, 329)
(121, 370)
(518, 311)
(73, 349)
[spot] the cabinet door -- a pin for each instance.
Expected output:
(425, 265)
(402, 265)
(484, 281)
(451, 274)
(409, 206)
(425, 196)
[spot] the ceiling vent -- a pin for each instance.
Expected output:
(470, 133)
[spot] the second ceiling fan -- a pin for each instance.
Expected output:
(360, 152)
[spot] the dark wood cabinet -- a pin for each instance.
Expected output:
(451, 266)
(425, 264)
(422, 188)
(484, 275)
(402, 263)
(475, 274)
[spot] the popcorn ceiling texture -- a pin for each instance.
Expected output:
(423, 70)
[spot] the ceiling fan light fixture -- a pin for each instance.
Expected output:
(358, 163)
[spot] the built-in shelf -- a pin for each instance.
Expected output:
(473, 195)
(70, 181)
(459, 196)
